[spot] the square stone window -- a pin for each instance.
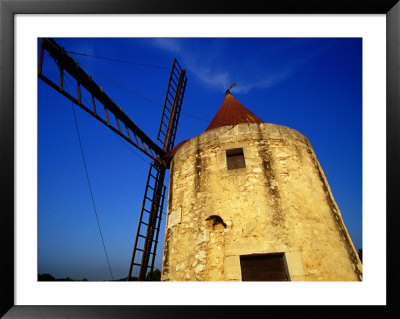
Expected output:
(235, 158)
(264, 267)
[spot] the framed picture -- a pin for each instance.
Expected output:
(176, 19)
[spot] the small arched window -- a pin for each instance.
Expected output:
(216, 220)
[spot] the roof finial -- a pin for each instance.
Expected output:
(228, 90)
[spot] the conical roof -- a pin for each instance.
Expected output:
(232, 112)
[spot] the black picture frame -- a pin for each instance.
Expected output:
(8, 10)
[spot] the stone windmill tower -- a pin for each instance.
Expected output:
(249, 201)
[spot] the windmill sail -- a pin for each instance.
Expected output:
(173, 90)
(151, 212)
(145, 245)
(146, 240)
(130, 131)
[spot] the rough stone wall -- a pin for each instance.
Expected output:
(280, 202)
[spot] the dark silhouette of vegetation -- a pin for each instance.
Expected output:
(124, 279)
(45, 277)
(48, 277)
(155, 277)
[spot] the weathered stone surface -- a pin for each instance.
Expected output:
(280, 202)
(232, 268)
(295, 263)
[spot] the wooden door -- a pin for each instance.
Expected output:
(263, 267)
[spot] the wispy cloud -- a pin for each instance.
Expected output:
(201, 59)
(210, 77)
(168, 44)
(264, 82)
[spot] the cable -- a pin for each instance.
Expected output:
(119, 60)
(129, 90)
(131, 149)
(195, 117)
(143, 97)
(139, 95)
(123, 141)
(90, 189)
(122, 87)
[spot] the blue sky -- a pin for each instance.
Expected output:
(313, 85)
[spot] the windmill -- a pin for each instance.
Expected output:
(144, 251)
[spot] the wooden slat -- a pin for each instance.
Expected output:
(67, 63)
(88, 110)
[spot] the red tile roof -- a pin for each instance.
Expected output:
(232, 112)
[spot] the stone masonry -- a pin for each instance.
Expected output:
(280, 202)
